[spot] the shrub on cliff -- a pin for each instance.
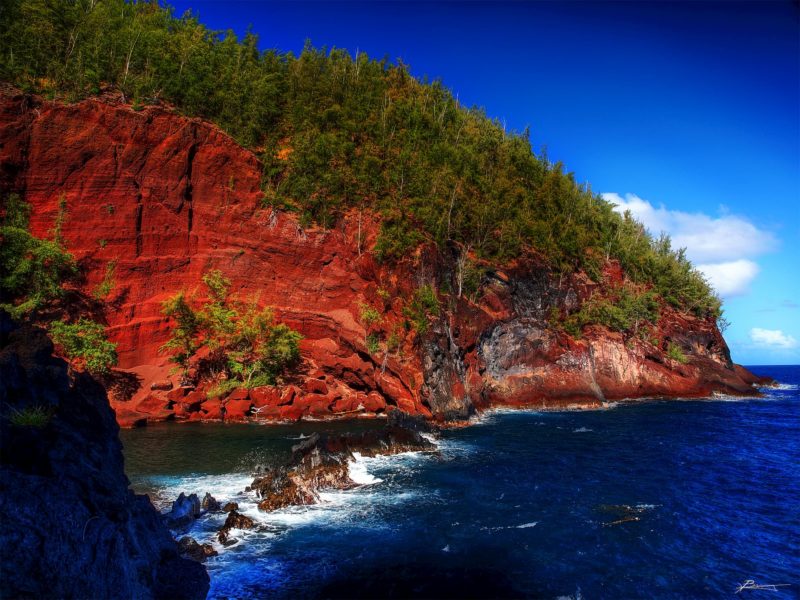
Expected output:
(31, 269)
(424, 304)
(85, 343)
(624, 309)
(244, 341)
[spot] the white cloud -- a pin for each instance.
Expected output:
(730, 278)
(772, 338)
(722, 247)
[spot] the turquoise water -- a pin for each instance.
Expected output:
(659, 499)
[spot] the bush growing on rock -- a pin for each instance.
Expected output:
(624, 309)
(36, 417)
(675, 353)
(246, 345)
(85, 342)
(423, 305)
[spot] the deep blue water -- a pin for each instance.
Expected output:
(521, 504)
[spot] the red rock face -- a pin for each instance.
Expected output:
(157, 200)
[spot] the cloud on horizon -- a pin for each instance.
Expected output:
(722, 248)
(773, 339)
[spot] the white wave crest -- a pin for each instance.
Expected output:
(358, 471)
(783, 387)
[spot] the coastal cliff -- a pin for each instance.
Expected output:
(71, 527)
(156, 199)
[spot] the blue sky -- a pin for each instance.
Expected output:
(687, 113)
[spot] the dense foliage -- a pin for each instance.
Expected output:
(31, 269)
(85, 342)
(245, 346)
(623, 309)
(338, 132)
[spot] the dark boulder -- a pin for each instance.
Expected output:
(234, 521)
(184, 510)
(189, 548)
(210, 504)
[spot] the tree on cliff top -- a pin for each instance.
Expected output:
(244, 341)
(338, 132)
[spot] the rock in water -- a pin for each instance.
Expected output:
(322, 462)
(71, 527)
(189, 548)
(210, 503)
(230, 506)
(234, 521)
(185, 509)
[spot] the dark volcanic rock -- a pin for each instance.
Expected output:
(234, 521)
(321, 462)
(210, 503)
(189, 548)
(71, 527)
(185, 509)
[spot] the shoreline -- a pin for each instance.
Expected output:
(727, 396)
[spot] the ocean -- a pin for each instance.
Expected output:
(647, 499)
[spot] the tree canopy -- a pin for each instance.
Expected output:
(337, 131)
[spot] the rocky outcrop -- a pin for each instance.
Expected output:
(322, 463)
(233, 521)
(71, 527)
(184, 511)
(210, 504)
(156, 200)
(190, 548)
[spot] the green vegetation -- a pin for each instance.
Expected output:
(85, 342)
(104, 288)
(675, 353)
(393, 341)
(423, 306)
(183, 341)
(31, 270)
(373, 344)
(247, 348)
(369, 315)
(625, 309)
(469, 276)
(338, 132)
(36, 417)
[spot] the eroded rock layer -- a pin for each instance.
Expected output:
(157, 200)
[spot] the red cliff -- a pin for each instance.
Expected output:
(155, 200)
